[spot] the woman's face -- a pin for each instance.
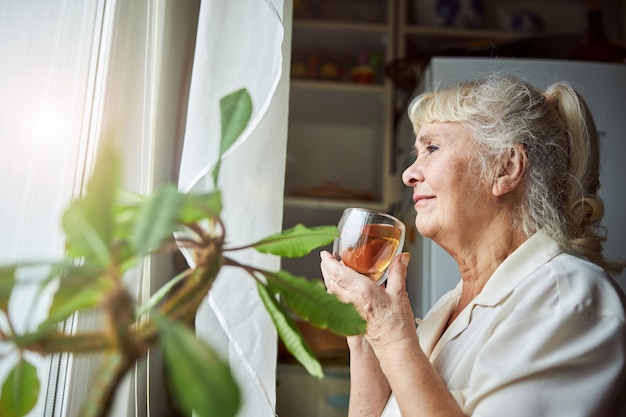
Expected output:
(449, 198)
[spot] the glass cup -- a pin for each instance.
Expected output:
(368, 241)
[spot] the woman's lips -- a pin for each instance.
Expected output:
(420, 200)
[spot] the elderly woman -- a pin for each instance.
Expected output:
(505, 179)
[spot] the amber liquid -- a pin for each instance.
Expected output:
(374, 250)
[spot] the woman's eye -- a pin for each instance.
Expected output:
(428, 149)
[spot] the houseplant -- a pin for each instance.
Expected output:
(108, 231)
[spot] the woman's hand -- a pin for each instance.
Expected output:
(389, 358)
(386, 310)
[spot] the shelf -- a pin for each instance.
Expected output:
(302, 395)
(427, 40)
(326, 25)
(528, 28)
(340, 43)
(336, 103)
(462, 33)
(330, 348)
(324, 35)
(333, 204)
(375, 12)
(334, 147)
(341, 87)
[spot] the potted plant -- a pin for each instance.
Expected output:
(108, 231)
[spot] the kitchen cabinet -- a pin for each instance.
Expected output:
(340, 137)
(303, 395)
(339, 154)
(553, 28)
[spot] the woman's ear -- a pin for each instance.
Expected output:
(511, 171)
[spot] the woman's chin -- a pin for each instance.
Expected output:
(425, 230)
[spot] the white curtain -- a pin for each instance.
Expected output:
(241, 44)
(48, 91)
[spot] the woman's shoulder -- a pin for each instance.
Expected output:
(579, 284)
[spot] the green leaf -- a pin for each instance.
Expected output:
(290, 334)
(84, 239)
(157, 219)
(197, 207)
(19, 391)
(55, 270)
(7, 281)
(201, 381)
(80, 288)
(309, 300)
(235, 109)
(88, 222)
(162, 292)
(126, 211)
(297, 241)
(36, 273)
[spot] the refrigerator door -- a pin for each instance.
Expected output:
(602, 86)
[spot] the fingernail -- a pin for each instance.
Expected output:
(406, 257)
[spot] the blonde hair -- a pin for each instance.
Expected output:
(560, 139)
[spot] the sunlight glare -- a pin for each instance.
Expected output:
(48, 124)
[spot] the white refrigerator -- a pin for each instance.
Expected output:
(432, 271)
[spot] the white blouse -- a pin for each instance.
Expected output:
(545, 337)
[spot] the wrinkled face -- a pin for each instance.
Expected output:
(448, 195)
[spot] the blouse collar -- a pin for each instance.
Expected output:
(531, 255)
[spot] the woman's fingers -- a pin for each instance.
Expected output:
(348, 285)
(335, 272)
(330, 269)
(396, 279)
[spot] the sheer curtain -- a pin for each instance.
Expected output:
(242, 44)
(48, 90)
(71, 69)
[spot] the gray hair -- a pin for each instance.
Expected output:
(561, 143)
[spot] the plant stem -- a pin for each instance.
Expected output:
(55, 342)
(112, 369)
(184, 303)
(119, 309)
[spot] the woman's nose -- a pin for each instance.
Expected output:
(412, 175)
